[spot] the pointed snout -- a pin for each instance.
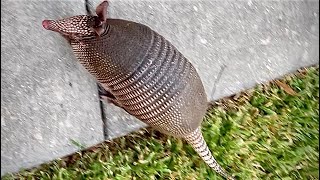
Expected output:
(46, 24)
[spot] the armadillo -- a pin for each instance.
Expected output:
(142, 72)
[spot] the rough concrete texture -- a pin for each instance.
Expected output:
(233, 44)
(47, 99)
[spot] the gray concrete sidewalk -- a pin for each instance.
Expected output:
(48, 100)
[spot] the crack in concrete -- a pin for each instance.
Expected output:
(103, 113)
(222, 68)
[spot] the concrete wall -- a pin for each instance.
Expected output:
(48, 99)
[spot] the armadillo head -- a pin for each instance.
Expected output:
(81, 26)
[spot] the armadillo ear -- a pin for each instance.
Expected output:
(101, 11)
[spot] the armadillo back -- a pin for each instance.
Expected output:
(148, 76)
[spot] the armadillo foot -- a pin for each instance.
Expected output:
(107, 96)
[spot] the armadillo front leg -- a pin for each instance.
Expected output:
(107, 95)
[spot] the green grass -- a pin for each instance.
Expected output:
(263, 133)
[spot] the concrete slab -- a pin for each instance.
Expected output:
(233, 44)
(47, 99)
(256, 41)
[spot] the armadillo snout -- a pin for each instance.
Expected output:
(46, 24)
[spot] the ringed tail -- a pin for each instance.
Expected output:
(196, 140)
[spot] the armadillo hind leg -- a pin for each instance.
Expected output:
(196, 140)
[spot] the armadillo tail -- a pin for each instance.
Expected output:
(195, 139)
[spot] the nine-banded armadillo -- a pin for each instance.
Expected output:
(142, 72)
